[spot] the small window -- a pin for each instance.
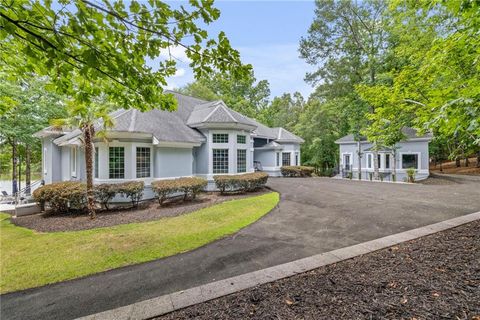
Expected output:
(286, 159)
(369, 161)
(73, 161)
(241, 139)
(409, 161)
(143, 162)
(116, 163)
(220, 160)
(379, 158)
(220, 138)
(278, 159)
(241, 160)
(296, 158)
(387, 161)
(96, 163)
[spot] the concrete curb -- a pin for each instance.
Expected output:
(164, 304)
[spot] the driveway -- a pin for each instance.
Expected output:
(315, 215)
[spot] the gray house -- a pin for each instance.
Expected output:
(201, 138)
(409, 153)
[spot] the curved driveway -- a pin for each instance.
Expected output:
(315, 215)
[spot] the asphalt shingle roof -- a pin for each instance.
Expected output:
(178, 125)
(410, 133)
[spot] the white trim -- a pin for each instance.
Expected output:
(73, 162)
(351, 158)
(419, 160)
(174, 144)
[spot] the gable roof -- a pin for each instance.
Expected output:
(410, 134)
(179, 125)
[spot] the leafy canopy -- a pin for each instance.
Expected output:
(92, 48)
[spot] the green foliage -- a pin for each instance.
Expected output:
(70, 254)
(189, 187)
(61, 197)
(241, 183)
(411, 174)
(104, 193)
(245, 95)
(90, 49)
(297, 171)
(132, 190)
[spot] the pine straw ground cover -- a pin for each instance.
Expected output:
(435, 277)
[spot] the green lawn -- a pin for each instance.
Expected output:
(31, 259)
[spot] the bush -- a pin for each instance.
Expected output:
(104, 193)
(411, 175)
(242, 183)
(62, 196)
(296, 171)
(189, 187)
(132, 190)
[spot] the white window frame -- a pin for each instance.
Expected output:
(246, 162)
(220, 133)
(343, 158)
(277, 159)
(73, 161)
(44, 161)
(369, 156)
(419, 160)
(149, 159)
(244, 136)
(290, 158)
(96, 163)
(228, 160)
(124, 162)
(389, 161)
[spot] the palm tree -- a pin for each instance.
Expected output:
(89, 119)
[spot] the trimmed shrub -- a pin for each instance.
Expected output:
(243, 182)
(411, 175)
(296, 171)
(132, 190)
(104, 193)
(62, 196)
(189, 187)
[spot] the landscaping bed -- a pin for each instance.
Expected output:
(434, 277)
(122, 214)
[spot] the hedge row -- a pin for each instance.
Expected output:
(243, 183)
(296, 171)
(62, 196)
(188, 187)
(67, 195)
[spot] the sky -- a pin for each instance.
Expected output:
(267, 34)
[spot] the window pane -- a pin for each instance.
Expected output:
(143, 162)
(296, 159)
(116, 163)
(241, 160)
(369, 161)
(220, 138)
(96, 162)
(220, 160)
(241, 139)
(286, 159)
(278, 159)
(387, 161)
(409, 161)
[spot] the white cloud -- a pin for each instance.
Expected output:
(179, 73)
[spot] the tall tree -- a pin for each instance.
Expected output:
(91, 49)
(346, 41)
(244, 95)
(30, 109)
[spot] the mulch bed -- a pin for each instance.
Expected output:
(146, 211)
(435, 277)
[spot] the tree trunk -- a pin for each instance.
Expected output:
(14, 166)
(467, 162)
(394, 172)
(88, 133)
(478, 159)
(375, 165)
(457, 162)
(28, 177)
